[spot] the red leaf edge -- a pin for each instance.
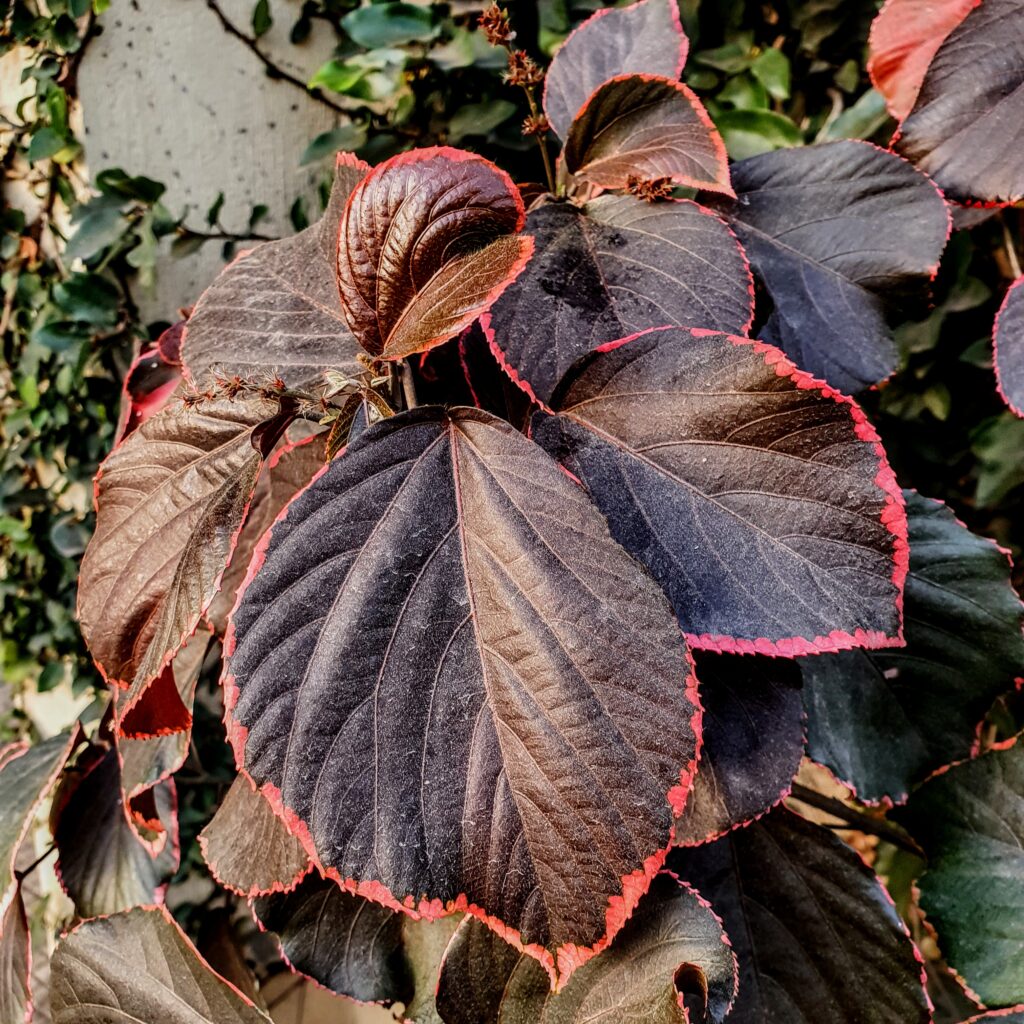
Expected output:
(994, 1014)
(684, 40)
(30, 1008)
(570, 955)
(702, 115)
(1016, 410)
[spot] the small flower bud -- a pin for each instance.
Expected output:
(650, 189)
(495, 24)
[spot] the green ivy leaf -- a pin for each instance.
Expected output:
(89, 299)
(347, 137)
(751, 132)
(771, 69)
(114, 182)
(859, 121)
(261, 18)
(46, 143)
(100, 224)
(390, 24)
(479, 118)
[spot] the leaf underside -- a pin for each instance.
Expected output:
(102, 865)
(761, 503)
(646, 38)
(1009, 347)
(753, 743)
(970, 823)
(646, 127)
(148, 386)
(170, 500)
(428, 241)
(883, 721)
(247, 846)
(831, 230)
(967, 126)
(274, 310)
(616, 267)
(673, 946)
(801, 907)
(139, 966)
(15, 963)
(528, 777)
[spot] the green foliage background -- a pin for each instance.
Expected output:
(772, 74)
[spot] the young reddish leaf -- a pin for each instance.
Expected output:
(358, 948)
(672, 947)
(883, 721)
(147, 761)
(102, 865)
(27, 774)
(428, 242)
(759, 498)
(644, 126)
(168, 345)
(753, 743)
(646, 38)
(274, 310)
(831, 231)
(519, 760)
(15, 963)
(970, 823)
(284, 474)
(817, 937)
(148, 387)
(1008, 336)
(903, 40)
(967, 126)
(616, 267)
(139, 966)
(248, 848)
(170, 501)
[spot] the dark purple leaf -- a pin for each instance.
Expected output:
(102, 865)
(521, 758)
(817, 937)
(428, 242)
(248, 848)
(15, 963)
(358, 948)
(753, 743)
(27, 774)
(903, 41)
(759, 498)
(645, 38)
(1009, 347)
(883, 721)
(970, 823)
(169, 343)
(275, 311)
(140, 966)
(647, 127)
(833, 230)
(170, 501)
(967, 126)
(671, 955)
(618, 266)
(291, 467)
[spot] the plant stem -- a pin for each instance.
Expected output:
(857, 820)
(1011, 249)
(408, 385)
(19, 875)
(275, 70)
(549, 170)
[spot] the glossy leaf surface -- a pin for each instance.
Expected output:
(970, 823)
(139, 966)
(616, 267)
(27, 774)
(833, 230)
(646, 127)
(753, 743)
(102, 865)
(428, 242)
(759, 499)
(882, 721)
(358, 948)
(248, 848)
(903, 41)
(1009, 347)
(530, 777)
(170, 501)
(801, 909)
(274, 310)
(645, 38)
(673, 946)
(967, 126)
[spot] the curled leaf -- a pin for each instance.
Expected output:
(1009, 347)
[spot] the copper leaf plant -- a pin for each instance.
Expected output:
(538, 538)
